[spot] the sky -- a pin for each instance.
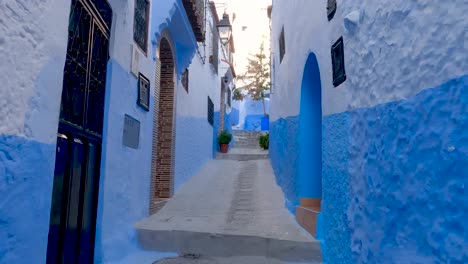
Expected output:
(250, 27)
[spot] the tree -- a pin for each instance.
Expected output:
(256, 79)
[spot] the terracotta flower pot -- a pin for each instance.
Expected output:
(224, 148)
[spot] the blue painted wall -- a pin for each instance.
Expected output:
(193, 147)
(251, 113)
(393, 178)
(125, 172)
(310, 131)
(284, 157)
(253, 122)
(234, 116)
(26, 178)
(336, 234)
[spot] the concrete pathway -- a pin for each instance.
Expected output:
(231, 209)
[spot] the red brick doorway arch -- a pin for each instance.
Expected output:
(163, 154)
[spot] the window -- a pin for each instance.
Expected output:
(185, 79)
(140, 23)
(331, 9)
(282, 45)
(229, 96)
(210, 111)
(215, 48)
(337, 53)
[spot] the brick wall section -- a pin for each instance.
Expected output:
(222, 108)
(162, 165)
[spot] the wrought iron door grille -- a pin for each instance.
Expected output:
(84, 80)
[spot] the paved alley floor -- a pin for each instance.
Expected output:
(231, 209)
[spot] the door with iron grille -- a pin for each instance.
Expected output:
(78, 154)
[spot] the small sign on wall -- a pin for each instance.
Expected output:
(131, 132)
(143, 92)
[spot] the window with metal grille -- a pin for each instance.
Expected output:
(215, 48)
(229, 96)
(140, 23)
(331, 9)
(282, 45)
(210, 111)
(337, 53)
(185, 79)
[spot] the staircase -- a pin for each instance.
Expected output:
(245, 147)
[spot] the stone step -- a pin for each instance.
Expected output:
(227, 245)
(243, 154)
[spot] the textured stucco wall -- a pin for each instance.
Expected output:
(32, 48)
(394, 157)
(336, 184)
(284, 143)
(408, 167)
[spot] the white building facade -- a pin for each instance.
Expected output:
(98, 126)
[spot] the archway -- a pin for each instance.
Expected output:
(310, 136)
(162, 169)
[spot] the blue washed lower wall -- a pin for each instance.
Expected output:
(283, 155)
(335, 189)
(193, 147)
(125, 172)
(393, 178)
(26, 179)
(408, 168)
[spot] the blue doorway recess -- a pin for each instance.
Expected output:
(310, 131)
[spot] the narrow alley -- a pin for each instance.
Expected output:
(233, 132)
(232, 207)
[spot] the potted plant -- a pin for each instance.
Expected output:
(264, 141)
(224, 139)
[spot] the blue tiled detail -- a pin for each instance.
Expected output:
(26, 179)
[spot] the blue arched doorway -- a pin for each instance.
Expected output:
(310, 134)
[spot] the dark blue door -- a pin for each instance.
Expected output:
(77, 165)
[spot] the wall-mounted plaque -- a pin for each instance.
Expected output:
(337, 53)
(131, 132)
(143, 92)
